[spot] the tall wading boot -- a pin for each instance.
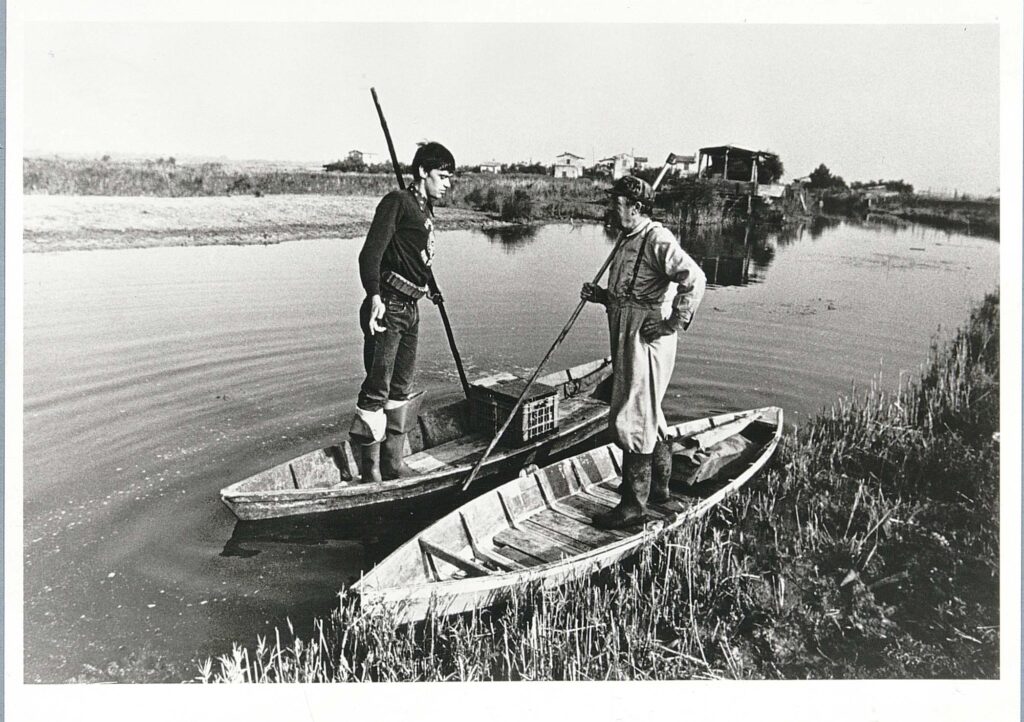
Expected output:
(661, 473)
(366, 432)
(368, 460)
(636, 484)
(401, 415)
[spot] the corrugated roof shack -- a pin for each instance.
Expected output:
(744, 170)
(729, 162)
(727, 186)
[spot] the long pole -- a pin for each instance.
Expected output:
(431, 281)
(387, 137)
(558, 341)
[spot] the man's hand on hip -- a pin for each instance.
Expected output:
(653, 329)
(377, 309)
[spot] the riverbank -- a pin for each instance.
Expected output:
(78, 223)
(868, 549)
(973, 216)
(82, 204)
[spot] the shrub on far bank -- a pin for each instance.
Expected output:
(518, 207)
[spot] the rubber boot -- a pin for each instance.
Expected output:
(401, 417)
(366, 432)
(392, 458)
(661, 473)
(636, 484)
(368, 459)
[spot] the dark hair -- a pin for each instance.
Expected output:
(432, 156)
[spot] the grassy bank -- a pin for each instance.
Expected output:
(972, 216)
(86, 204)
(869, 549)
(978, 217)
(509, 197)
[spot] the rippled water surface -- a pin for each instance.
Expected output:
(153, 378)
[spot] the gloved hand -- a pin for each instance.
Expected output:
(437, 298)
(654, 328)
(594, 294)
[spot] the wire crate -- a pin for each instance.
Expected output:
(489, 407)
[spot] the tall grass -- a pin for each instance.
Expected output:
(56, 176)
(518, 198)
(525, 197)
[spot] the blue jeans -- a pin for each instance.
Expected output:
(389, 356)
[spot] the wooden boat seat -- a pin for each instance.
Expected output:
(469, 567)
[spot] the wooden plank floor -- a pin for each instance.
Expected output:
(533, 544)
(559, 539)
(572, 527)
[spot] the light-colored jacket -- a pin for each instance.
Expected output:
(664, 265)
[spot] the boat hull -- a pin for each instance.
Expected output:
(402, 583)
(322, 481)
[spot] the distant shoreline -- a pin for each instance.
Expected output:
(80, 223)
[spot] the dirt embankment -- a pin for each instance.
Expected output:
(65, 223)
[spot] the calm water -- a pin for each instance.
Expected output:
(153, 378)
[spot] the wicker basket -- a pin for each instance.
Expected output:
(538, 415)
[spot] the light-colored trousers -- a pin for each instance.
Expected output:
(641, 375)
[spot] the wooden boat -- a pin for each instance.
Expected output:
(443, 448)
(537, 528)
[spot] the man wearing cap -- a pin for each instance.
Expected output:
(394, 268)
(643, 322)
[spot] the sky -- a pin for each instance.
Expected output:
(914, 102)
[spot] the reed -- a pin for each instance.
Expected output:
(869, 549)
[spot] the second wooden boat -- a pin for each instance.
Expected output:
(538, 527)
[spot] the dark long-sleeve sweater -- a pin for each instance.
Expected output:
(398, 240)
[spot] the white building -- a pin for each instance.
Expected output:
(621, 164)
(568, 165)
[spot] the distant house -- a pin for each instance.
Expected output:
(568, 165)
(356, 160)
(621, 164)
(681, 164)
(877, 192)
(490, 167)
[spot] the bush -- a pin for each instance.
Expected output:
(519, 207)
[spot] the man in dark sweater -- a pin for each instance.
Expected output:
(394, 267)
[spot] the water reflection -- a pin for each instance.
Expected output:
(377, 531)
(729, 256)
(794, 233)
(512, 239)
